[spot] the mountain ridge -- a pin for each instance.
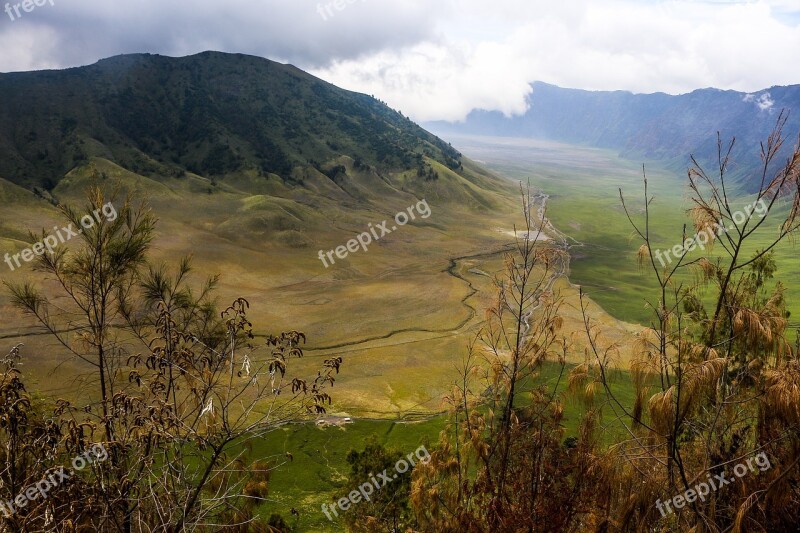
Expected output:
(211, 114)
(647, 126)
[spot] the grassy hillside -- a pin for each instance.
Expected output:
(400, 313)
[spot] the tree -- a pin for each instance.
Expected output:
(182, 387)
(502, 464)
(727, 381)
(388, 509)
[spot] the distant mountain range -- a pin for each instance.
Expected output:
(644, 126)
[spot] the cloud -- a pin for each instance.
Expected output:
(293, 31)
(670, 46)
(438, 81)
(764, 101)
(440, 60)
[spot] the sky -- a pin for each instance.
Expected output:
(435, 59)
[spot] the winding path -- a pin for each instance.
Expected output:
(452, 270)
(547, 229)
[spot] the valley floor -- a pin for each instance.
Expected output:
(400, 315)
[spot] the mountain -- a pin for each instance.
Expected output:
(210, 114)
(644, 126)
(266, 175)
(239, 156)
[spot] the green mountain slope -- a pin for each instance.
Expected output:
(255, 168)
(211, 114)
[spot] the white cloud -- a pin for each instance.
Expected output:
(439, 59)
(85, 31)
(26, 47)
(764, 101)
(669, 46)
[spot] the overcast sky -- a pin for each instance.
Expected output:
(436, 59)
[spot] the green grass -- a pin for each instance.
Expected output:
(583, 185)
(611, 427)
(319, 467)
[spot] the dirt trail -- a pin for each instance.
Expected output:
(453, 270)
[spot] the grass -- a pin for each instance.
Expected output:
(400, 315)
(395, 313)
(319, 468)
(584, 203)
